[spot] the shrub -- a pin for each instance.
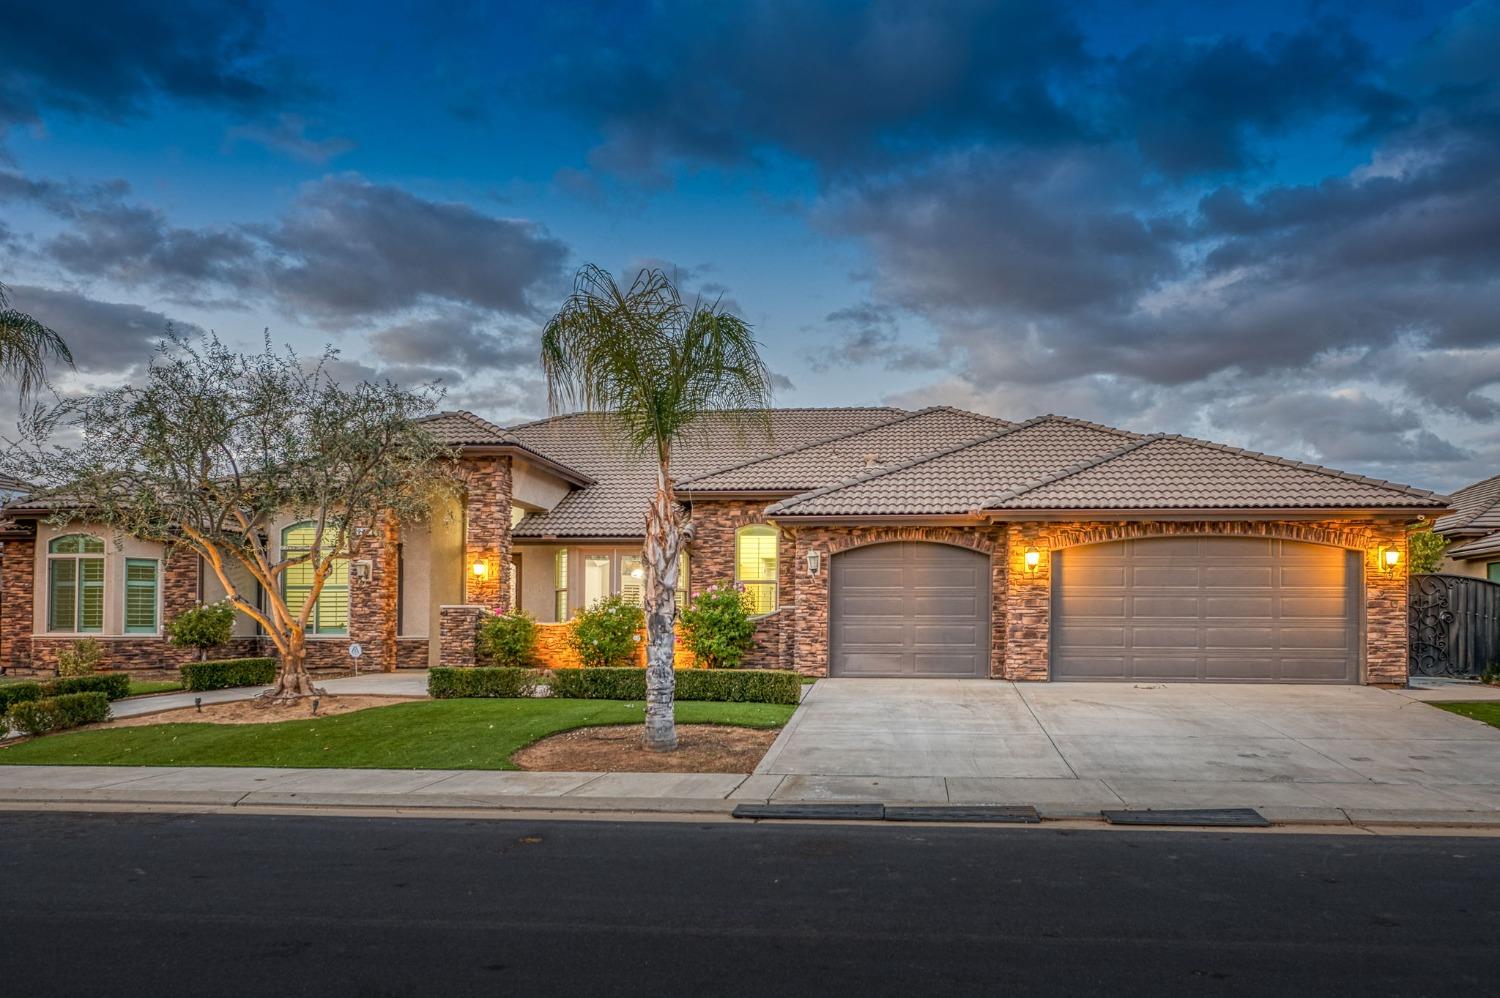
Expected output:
(504, 681)
(607, 634)
(38, 717)
(113, 685)
(81, 659)
(206, 626)
(227, 672)
(509, 640)
(737, 685)
(13, 693)
(717, 629)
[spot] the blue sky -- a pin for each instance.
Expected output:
(1272, 224)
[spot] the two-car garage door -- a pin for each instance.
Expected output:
(1217, 609)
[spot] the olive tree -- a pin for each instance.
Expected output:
(215, 447)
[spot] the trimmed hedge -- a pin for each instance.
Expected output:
(485, 681)
(14, 693)
(732, 685)
(227, 672)
(113, 685)
(39, 717)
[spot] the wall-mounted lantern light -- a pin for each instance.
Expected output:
(814, 561)
(1389, 558)
(480, 569)
(1033, 560)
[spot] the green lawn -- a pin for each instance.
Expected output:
(1487, 711)
(428, 734)
(140, 687)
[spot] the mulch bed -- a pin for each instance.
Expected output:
(617, 748)
(255, 711)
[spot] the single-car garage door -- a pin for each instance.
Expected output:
(910, 609)
(1216, 609)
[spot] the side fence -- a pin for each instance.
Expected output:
(1454, 626)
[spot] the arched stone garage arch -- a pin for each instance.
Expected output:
(1028, 598)
(810, 644)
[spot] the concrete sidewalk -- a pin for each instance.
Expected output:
(408, 683)
(650, 793)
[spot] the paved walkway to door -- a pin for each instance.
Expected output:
(1096, 744)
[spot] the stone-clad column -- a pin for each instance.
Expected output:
(374, 602)
(17, 575)
(487, 538)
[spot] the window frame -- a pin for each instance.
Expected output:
(774, 582)
(315, 626)
(1492, 571)
(560, 584)
(77, 558)
(155, 626)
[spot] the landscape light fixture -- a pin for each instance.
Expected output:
(198, 702)
(315, 706)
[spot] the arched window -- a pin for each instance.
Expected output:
(755, 565)
(331, 614)
(75, 583)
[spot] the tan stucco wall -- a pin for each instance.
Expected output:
(416, 580)
(534, 488)
(1473, 569)
(445, 567)
(537, 562)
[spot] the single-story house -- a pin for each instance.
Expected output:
(871, 541)
(1472, 529)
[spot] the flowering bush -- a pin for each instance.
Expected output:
(607, 633)
(203, 627)
(509, 639)
(716, 627)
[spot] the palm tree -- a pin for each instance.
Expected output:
(654, 367)
(26, 344)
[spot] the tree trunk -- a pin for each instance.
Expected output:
(293, 682)
(663, 542)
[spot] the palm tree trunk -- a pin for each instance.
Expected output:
(663, 542)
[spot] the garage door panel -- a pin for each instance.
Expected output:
(909, 609)
(1242, 607)
(1206, 608)
(1163, 606)
(1164, 576)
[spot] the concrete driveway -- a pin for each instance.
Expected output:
(1091, 745)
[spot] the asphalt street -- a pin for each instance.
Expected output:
(181, 904)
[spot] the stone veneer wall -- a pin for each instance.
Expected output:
(373, 602)
(810, 643)
(17, 579)
(1028, 599)
(487, 535)
(711, 560)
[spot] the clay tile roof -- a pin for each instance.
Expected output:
(615, 505)
(818, 462)
(959, 479)
(1476, 509)
(458, 428)
(1174, 472)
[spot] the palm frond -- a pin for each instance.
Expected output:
(27, 346)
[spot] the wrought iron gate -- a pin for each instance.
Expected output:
(1454, 625)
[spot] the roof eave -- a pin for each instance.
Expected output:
(1211, 513)
(557, 468)
(914, 519)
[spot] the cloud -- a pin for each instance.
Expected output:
(346, 251)
(112, 60)
(104, 337)
(839, 84)
(463, 339)
(288, 135)
(869, 334)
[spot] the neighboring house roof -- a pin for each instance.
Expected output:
(615, 506)
(1174, 472)
(1475, 510)
(961, 478)
(12, 486)
(885, 445)
(1486, 546)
